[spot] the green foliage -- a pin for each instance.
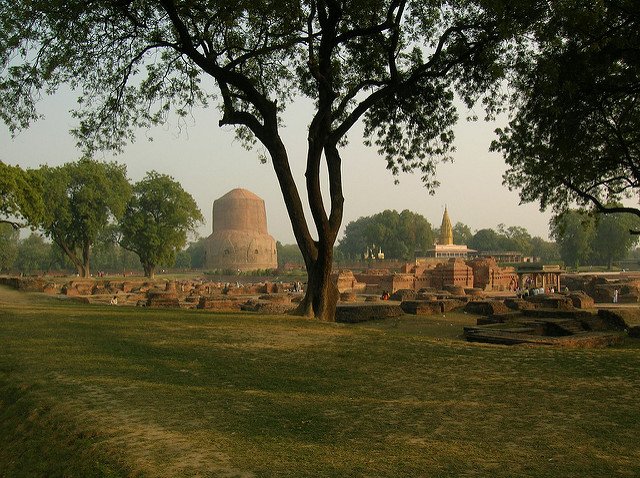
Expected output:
(8, 246)
(486, 240)
(197, 253)
(588, 239)
(19, 197)
(34, 254)
(461, 233)
(574, 231)
(157, 220)
(399, 235)
(547, 251)
(513, 239)
(108, 255)
(183, 260)
(575, 131)
(81, 198)
(289, 254)
(612, 241)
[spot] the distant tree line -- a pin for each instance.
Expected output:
(580, 237)
(86, 216)
(93, 217)
(586, 238)
(406, 235)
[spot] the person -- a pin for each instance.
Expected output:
(615, 296)
(114, 300)
(385, 295)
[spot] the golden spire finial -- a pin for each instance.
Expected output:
(446, 230)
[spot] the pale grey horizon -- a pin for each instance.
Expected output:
(208, 163)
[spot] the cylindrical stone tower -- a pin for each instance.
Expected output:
(240, 240)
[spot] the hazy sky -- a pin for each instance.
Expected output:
(208, 163)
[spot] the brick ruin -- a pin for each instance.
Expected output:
(484, 274)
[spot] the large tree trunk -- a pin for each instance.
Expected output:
(86, 252)
(321, 295)
(82, 266)
(149, 270)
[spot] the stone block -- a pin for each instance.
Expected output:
(580, 300)
(615, 319)
(519, 304)
(422, 307)
(354, 313)
(552, 301)
(347, 297)
(403, 294)
(218, 303)
(455, 290)
(486, 307)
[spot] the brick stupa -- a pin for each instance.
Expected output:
(240, 240)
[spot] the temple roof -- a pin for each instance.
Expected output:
(446, 230)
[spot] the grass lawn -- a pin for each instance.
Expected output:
(116, 391)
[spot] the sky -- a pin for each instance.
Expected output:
(208, 162)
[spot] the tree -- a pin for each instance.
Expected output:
(392, 64)
(34, 254)
(288, 254)
(515, 238)
(461, 233)
(8, 246)
(182, 260)
(157, 219)
(574, 231)
(108, 255)
(612, 241)
(399, 235)
(575, 131)
(19, 198)
(81, 198)
(546, 251)
(197, 252)
(485, 240)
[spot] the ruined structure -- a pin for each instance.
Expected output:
(488, 275)
(240, 240)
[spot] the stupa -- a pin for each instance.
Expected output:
(240, 240)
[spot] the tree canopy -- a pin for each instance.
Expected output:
(19, 198)
(399, 235)
(585, 238)
(81, 198)
(35, 255)
(612, 240)
(8, 246)
(392, 64)
(462, 233)
(157, 219)
(574, 136)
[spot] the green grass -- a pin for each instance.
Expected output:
(116, 391)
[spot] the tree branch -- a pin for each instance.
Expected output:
(600, 207)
